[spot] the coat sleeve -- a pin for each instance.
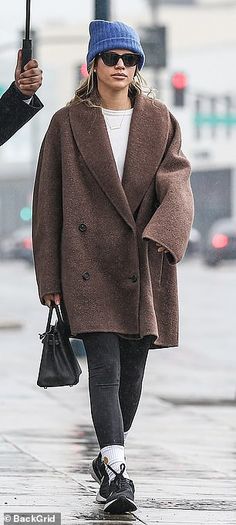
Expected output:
(171, 223)
(47, 214)
(14, 112)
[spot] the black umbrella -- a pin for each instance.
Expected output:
(27, 42)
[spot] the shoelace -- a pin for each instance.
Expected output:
(119, 480)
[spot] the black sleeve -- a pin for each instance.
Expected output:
(14, 112)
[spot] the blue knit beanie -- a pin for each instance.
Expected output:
(105, 36)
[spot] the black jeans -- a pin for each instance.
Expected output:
(116, 368)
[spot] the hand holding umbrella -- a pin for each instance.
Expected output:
(27, 42)
(30, 80)
(28, 76)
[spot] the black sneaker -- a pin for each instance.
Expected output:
(104, 489)
(99, 474)
(97, 469)
(121, 496)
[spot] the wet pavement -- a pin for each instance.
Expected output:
(181, 452)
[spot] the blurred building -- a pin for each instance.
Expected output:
(201, 43)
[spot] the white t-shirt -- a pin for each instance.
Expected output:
(118, 125)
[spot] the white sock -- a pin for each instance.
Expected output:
(114, 455)
(126, 434)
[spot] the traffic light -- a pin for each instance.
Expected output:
(179, 83)
(102, 10)
(81, 73)
(26, 214)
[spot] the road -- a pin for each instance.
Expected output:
(181, 451)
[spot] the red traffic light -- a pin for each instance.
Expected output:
(179, 80)
(84, 71)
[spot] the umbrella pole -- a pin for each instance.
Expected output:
(27, 42)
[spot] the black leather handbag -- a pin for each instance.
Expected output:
(58, 366)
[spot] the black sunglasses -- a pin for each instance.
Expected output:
(111, 59)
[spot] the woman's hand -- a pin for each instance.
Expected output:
(161, 249)
(55, 297)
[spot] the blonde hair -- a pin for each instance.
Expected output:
(88, 88)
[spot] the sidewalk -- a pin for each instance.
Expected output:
(180, 452)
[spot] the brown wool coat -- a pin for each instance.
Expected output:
(94, 237)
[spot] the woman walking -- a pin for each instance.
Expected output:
(112, 213)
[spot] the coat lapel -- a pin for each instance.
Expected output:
(146, 145)
(89, 130)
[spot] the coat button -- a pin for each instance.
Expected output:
(86, 276)
(82, 227)
(133, 278)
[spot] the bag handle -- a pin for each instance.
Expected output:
(49, 317)
(59, 317)
(51, 308)
(58, 312)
